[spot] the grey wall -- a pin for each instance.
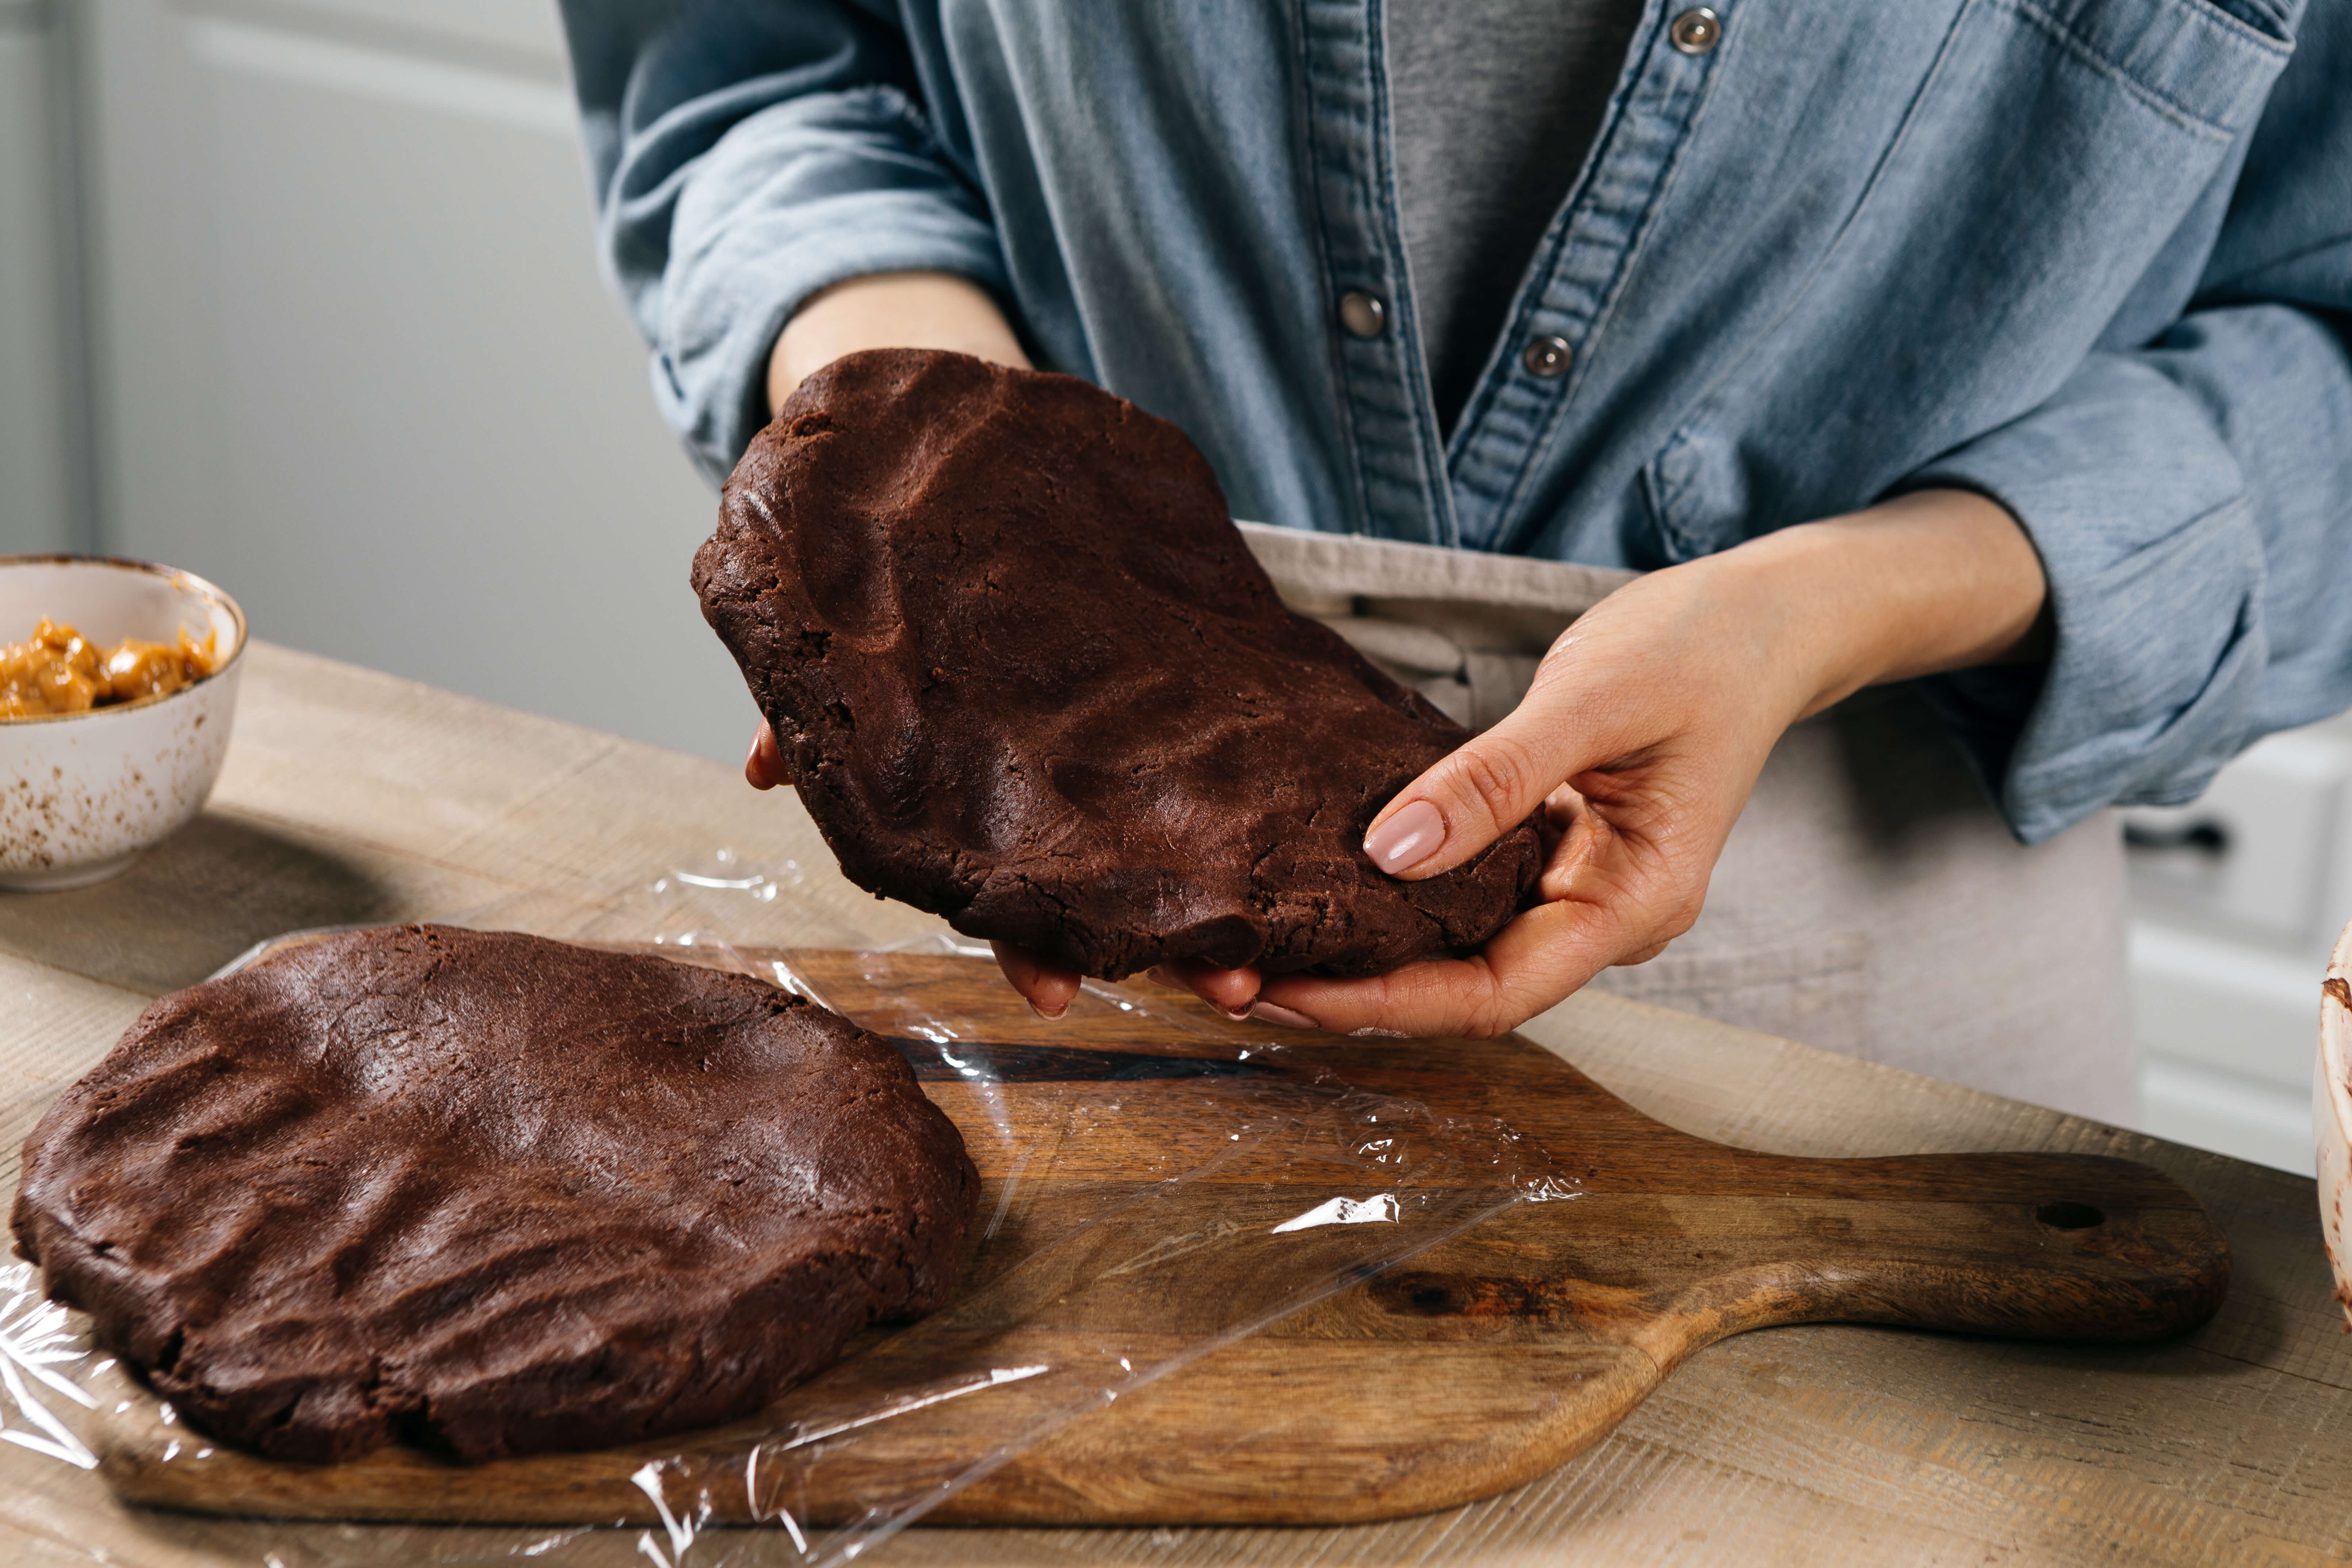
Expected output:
(41, 459)
(353, 360)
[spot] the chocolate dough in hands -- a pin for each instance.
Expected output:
(1028, 676)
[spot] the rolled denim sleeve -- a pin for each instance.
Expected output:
(2192, 505)
(744, 157)
(2191, 500)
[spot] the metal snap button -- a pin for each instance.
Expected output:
(1547, 357)
(1696, 31)
(1362, 314)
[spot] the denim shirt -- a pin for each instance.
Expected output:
(2090, 258)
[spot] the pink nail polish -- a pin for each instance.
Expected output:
(1267, 1013)
(1406, 839)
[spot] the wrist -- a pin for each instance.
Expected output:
(1934, 580)
(889, 311)
(1772, 615)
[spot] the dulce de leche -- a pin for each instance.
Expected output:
(58, 670)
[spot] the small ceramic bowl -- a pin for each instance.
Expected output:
(2331, 1114)
(83, 794)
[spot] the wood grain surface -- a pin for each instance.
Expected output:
(1112, 1142)
(352, 796)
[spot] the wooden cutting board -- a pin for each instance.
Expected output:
(1133, 1179)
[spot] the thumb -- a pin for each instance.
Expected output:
(1483, 790)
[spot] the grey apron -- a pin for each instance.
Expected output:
(1870, 901)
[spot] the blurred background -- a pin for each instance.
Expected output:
(300, 295)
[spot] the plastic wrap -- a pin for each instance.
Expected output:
(1236, 1158)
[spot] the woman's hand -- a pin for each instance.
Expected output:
(1641, 737)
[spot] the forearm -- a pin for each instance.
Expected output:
(1929, 582)
(893, 310)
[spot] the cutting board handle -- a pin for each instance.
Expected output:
(2066, 1247)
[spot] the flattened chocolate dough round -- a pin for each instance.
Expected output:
(487, 1194)
(1029, 676)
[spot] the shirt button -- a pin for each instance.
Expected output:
(1547, 357)
(1362, 314)
(1696, 31)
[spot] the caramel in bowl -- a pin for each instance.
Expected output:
(58, 670)
(110, 735)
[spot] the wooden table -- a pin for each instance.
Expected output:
(352, 796)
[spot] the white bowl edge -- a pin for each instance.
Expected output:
(2331, 1116)
(83, 794)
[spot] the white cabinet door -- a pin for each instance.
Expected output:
(356, 362)
(36, 322)
(2236, 900)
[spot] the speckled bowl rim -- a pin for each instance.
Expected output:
(2331, 1117)
(179, 579)
(2335, 1042)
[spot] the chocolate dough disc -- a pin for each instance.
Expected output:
(489, 1193)
(1029, 676)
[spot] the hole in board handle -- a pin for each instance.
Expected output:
(2068, 1217)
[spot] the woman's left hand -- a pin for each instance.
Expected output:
(1639, 738)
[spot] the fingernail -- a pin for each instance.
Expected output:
(1055, 1016)
(1267, 1013)
(1406, 839)
(1237, 1015)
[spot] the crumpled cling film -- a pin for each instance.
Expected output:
(1266, 1172)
